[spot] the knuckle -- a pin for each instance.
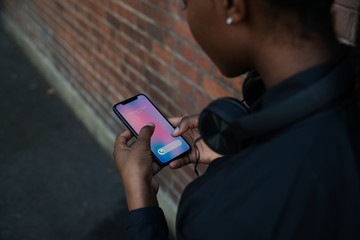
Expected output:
(144, 142)
(118, 139)
(184, 121)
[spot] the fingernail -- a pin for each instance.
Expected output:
(150, 124)
(176, 130)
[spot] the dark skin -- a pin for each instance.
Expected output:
(137, 168)
(246, 43)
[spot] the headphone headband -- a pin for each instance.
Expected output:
(225, 124)
(316, 96)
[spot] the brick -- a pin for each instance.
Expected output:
(174, 110)
(113, 21)
(159, 99)
(186, 102)
(237, 83)
(133, 34)
(188, 52)
(138, 82)
(156, 65)
(203, 62)
(182, 29)
(98, 9)
(185, 87)
(218, 75)
(125, 14)
(187, 70)
(158, 16)
(163, 4)
(177, 8)
(132, 88)
(135, 5)
(202, 99)
(156, 32)
(153, 79)
(134, 63)
(161, 52)
(59, 6)
(173, 43)
(215, 89)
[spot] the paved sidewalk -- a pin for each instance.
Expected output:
(55, 180)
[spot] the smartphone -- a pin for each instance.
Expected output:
(138, 111)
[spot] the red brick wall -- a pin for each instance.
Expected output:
(109, 50)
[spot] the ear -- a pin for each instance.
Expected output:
(236, 10)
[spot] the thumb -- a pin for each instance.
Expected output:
(146, 132)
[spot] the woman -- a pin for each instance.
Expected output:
(300, 181)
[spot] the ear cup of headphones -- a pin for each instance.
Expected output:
(253, 87)
(215, 125)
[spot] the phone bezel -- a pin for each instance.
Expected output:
(126, 123)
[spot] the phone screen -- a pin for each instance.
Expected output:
(137, 112)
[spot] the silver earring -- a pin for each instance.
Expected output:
(229, 20)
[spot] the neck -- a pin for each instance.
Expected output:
(279, 61)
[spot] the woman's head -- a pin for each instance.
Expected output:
(253, 23)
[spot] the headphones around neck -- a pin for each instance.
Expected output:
(226, 124)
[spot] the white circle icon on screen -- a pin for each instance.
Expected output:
(161, 151)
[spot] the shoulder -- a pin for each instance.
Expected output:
(315, 158)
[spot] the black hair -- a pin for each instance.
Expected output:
(314, 15)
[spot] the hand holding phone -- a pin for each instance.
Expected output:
(137, 168)
(188, 128)
(139, 111)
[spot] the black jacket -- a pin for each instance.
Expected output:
(301, 182)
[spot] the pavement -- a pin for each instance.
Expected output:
(56, 182)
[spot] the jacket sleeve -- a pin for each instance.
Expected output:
(147, 223)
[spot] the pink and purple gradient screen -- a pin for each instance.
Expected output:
(140, 112)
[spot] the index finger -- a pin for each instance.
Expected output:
(185, 124)
(175, 121)
(123, 139)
